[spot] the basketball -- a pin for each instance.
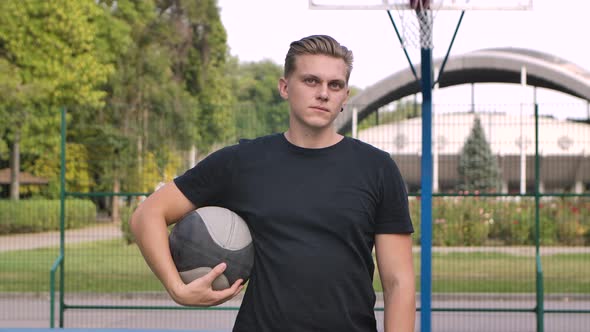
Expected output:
(208, 236)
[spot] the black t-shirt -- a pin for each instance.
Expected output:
(313, 215)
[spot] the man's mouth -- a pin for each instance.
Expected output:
(320, 108)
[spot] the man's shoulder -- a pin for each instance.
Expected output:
(258, 141)
(261, 144)
(367, 150)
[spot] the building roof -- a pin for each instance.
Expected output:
(498, 65)
(502, 131)
(24, 178)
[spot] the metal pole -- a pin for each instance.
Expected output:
(62, 216)
(522, 137)
(472, 110)
(444, 63)
(540, 308)
(401, 41)
(426, 180)
(436, 142)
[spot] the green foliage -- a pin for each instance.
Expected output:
(402, 110)
(260, 110)
(51, 45)
(78, 175)
(513, 223)
(198, 44)
(468, 226)
(143, 100)
(49, 50)
(478, 168)
(126, 212)
(25, 216)
(476, 221)
(144, 82)
(571, 219)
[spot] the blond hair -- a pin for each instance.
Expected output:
(317, 45)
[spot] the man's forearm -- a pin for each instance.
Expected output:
(151, 238)
(399, 309)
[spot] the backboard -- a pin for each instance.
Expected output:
(405, 4)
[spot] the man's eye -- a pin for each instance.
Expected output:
(310, 80)
(336, 85)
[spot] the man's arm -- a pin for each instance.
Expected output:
(396, 269)
(149, 226)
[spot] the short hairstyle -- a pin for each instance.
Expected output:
(317, 45)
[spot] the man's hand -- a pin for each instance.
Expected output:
(199, 292)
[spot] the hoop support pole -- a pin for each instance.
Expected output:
(442, 67)
(401, 42)
(426, 199)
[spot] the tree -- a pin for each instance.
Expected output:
(142, 97)
(403, 109)
(49, 48)
(199, 59)
(478, 168)
(260, 108)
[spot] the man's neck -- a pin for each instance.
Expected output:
(313, 139)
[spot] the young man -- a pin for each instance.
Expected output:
(316, 204)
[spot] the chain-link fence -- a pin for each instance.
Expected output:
(494, 182)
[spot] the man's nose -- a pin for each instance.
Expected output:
(323, 92)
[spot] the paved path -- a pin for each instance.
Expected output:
(99, 232)
(37, 314)
(110, 230)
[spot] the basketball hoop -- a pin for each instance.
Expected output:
(417, 21)
(417, 16)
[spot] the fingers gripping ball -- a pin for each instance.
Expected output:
(208, 236)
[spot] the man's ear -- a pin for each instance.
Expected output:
(345, 100)
(283, 91)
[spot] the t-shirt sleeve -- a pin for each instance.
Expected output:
(205, 184)
(393, 215)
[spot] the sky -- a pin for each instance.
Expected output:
(262, 29)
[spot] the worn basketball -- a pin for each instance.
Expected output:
(208, 236)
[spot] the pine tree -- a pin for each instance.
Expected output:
(478, 168)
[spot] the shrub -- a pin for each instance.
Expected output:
(126, 211)
(37, 215)
(471, 221)
(513, 222)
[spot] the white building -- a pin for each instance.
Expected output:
(564, 150)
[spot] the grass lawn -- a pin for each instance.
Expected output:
(504, 273)
(104, 266)
(113, 267)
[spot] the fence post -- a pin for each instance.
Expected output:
(539, 270)
(62, 216)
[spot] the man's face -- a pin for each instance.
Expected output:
(316, 90)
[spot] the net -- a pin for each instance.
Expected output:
(416, 24)
(417, 16)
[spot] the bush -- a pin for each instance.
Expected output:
(37, 215)
(474, 221)
(126, 211)
(463, 226)
(513, 222)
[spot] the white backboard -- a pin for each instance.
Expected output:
(405, 4)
